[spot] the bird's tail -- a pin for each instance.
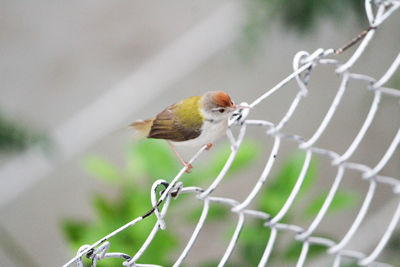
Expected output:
(142, 128)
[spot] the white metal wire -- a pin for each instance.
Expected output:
(303, 64)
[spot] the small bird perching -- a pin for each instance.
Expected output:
(303, 64)
(194, 121)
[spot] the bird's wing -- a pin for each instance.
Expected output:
(167, 125)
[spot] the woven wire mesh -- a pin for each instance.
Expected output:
(303, 64)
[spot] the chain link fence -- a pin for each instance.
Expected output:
(303, 64)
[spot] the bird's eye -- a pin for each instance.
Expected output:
(221, 110)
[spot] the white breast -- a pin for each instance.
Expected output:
(210, 131)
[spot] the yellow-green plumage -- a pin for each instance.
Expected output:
(178, 122)
(188, 112)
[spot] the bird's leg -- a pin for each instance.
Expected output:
(209, 146)
(187, 165)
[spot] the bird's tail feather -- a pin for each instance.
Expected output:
(142, 128)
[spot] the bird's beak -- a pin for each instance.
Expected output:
(236, 107)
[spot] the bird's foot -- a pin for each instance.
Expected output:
(188, 167)
(209, 146)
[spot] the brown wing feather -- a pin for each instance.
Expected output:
(166, 125)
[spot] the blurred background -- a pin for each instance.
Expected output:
(74, 74)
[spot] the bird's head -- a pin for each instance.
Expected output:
(217, 105)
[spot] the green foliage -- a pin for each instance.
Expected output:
(215, 213)
(393, 248)
(131, 201)
(394, 244)
(278, 190)
(113, 213)
(395, 80)
(246, 155)
(302, 16)
(255, 235)
(298, 16)
(146, 162)
(293, 251)
(102, 169)
(151, 160)
(341, 200)
(252, 243)
(14, 137)
(354, 264)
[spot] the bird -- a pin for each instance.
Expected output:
(192, 122)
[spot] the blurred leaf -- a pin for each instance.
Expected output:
(280, 187)
(213, 263)
(272, 202)
(102, 168)
(209, 263)
(300, 17)
(303, 16)
(113, 214)
(342, 200)
(293, 251)
(74, 230)
(103, 207)
(215, 212)
(394, 243)
(15, 137)
(252, 242)
(153, 157)
(352, 264)
(394, 82)
(248, 152)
